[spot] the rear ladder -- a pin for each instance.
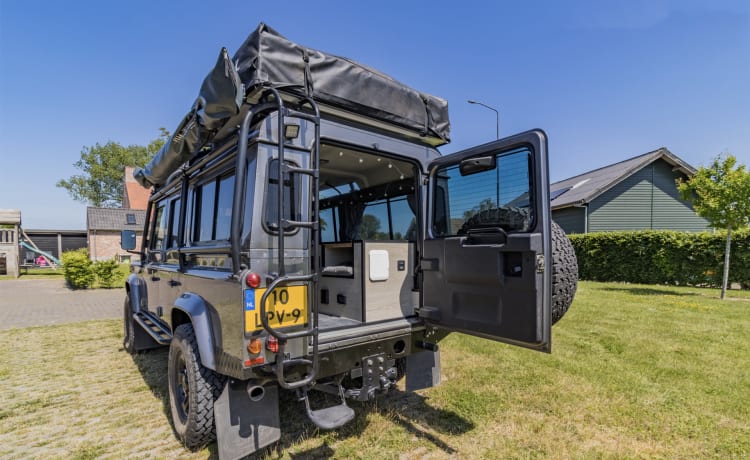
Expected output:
(329, 417)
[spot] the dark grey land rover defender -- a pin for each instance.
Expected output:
(305, 234)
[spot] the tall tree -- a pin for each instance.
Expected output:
(101, 180)
(721, 194)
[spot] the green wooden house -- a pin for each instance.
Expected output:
(636, 194)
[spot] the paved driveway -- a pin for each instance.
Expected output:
(26, 302)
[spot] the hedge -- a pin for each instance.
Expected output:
(77, 267)
(662, 257)
(81, 273)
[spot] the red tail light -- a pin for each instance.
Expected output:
(272, 344)
(253, 280)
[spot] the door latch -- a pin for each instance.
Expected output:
(540, 263)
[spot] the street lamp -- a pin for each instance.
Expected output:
(497, 116)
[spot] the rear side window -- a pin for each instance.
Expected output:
(213, 209)
(291, 190)
(158, 233)
(174, 225)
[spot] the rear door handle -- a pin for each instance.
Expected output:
(174, 283)
(155, 278)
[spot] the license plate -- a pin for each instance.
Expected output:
(285, 307)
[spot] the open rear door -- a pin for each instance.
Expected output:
(486, 260)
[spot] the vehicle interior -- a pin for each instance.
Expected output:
(368, 224)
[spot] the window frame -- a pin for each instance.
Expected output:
(196, 205)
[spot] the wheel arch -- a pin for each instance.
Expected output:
(191, 308)
(138, 292)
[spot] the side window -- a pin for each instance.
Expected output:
(328, 233)
(205, 199)
(291, 189)
(159, 233)
(403, 221)
(174, 225)
(496, 196)
(374, 224)
(212, 207)
(224, 208)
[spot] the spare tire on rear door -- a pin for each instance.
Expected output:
(564, 262)
(564, 273)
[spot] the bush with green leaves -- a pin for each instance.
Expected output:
(661, 257)
(78, 268)
(106, 273)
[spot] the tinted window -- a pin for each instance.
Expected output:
(213, 209)
(160, 229)
(174, 225)
(327, 225)
(374, 224)
(497, 197)
(291, 189)
(403, 222)
(224, 208)
(205, 199)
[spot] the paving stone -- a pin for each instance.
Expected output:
(31, 302)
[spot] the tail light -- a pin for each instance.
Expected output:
(254, 346)
(272, 344)
(252, 280)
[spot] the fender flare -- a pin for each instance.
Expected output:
(136, 287)
(196, 309)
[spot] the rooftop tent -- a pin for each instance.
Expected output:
(266, 58)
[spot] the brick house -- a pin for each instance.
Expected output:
(103, 225)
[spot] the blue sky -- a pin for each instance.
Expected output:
(607, 80)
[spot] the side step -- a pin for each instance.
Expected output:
(153, 325)
(332, 417)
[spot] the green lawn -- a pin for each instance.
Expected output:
(636, 372)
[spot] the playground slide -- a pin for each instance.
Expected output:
(45, 254)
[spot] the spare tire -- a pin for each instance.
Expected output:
(564, 262)
(564, 273)
(508, 218)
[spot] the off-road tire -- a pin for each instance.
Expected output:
(564, 273)
(128, 342)
(506, 217)
(193, 389)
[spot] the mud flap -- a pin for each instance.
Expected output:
(422, 370)
(244, 426)
(143, 341)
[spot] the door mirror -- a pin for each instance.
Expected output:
(127, 240)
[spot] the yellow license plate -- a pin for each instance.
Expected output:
(285, 307)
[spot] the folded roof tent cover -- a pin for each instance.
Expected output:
(267, 58)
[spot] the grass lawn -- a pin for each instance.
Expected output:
(636, 371)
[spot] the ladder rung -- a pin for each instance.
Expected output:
(293, 278)
(296, 223)
(302, 115)
(294, 169)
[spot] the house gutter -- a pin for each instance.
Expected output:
(585, 207)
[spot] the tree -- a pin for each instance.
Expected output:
(102, 166)
(369, 227)
(721, 194)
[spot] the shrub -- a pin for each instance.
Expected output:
(77, 267)
(106, 272)
(662, 257)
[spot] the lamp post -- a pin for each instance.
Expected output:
(497, 116)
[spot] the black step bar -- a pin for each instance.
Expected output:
(153, 326)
